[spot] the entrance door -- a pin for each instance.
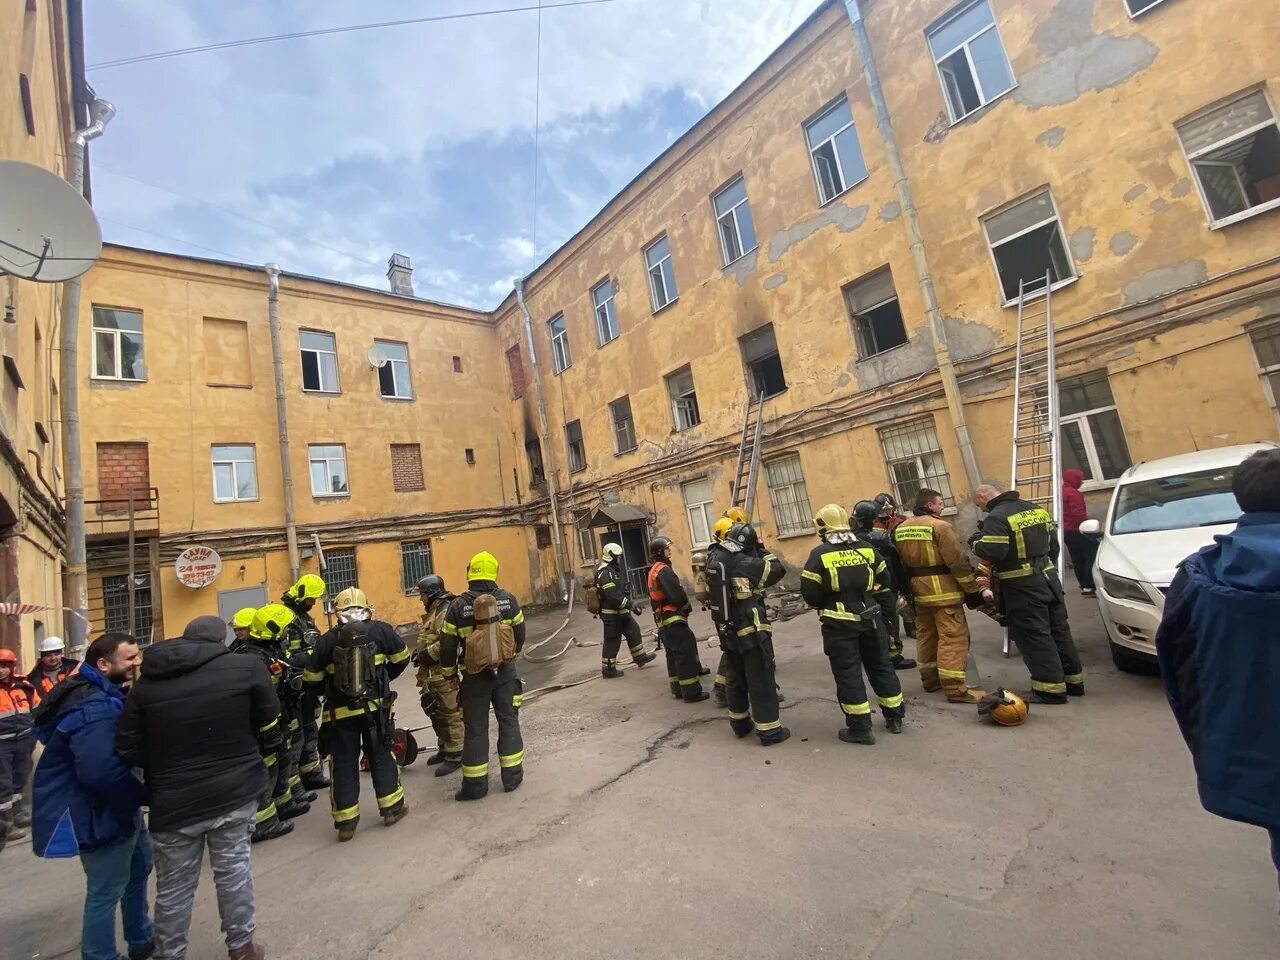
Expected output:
(229, 601)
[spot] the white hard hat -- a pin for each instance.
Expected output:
(612, 550)
(52, 645)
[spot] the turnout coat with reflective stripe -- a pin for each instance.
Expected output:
(749, 575)
(1017, 536)
(841, 577)
(666, 594)
(390, 658)
(611, 586)
(460, 620)
(934, 558)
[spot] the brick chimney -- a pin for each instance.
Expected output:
(400, 274)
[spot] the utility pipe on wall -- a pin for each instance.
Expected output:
(946, 369)
(282, 419)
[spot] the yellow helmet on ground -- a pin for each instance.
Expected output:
(243, 617)
(735, 515)
(721, 527)
(270, 621)
(831, 518)
(483, 566)
(308, 587)
(351, 597)
(1003, 707)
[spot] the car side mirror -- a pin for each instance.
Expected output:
(1091, 527)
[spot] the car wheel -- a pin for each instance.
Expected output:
(1131, 661)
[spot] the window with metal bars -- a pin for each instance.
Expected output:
(914, 459)
(115, 605)
(789, 495)
(415, 563)
(340, 570)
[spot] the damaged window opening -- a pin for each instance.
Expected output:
(875, 314)
(586, 536)
(559, 331)
(972, 65)
(393, 376)
(762, 362)
(606, 314)
(733, 214)
(577, 448)
(1026, 243)
(533, 450)
(319, 361)
(835, 151)
(662, 274)
(1234, 151)
(624, 428)
(1266, 347)
(684, 399)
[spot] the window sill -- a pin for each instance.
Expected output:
(1092, 486)
(670, 303)
(245, 500)
(975, 114)
(883, 353)
(105, 380)
(331, 496)
(323, 393)
(1245, 214)
(742, 256)
(573, 470)
(383, 396)
(601, 346)
(822, 203)
(794, 534)
(623, 453)
(1053, 288)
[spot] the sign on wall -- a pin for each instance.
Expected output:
(198, 567)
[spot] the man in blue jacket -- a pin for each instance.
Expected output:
(1219, 652)
(89, 804)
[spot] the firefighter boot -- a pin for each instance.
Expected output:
(346, 831)
(857, 730)
(775, 736)
(473, 788)
(292, 810)
(1050, 698)
(782, 698)
(893, 724)
(610, 672)
(315, 779)
(970, 695)
(447, 764)
(272, 829)
(393, 816)
(1073, 690)
(903, 663)
(512, 777)
(741, 726)
(717, 691)
(641, 658)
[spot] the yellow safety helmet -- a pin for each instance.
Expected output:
(308, 587)
(351, 597)
(270, 621)
(483, 566)
(243, 617)
(721, 527)
(736, 515)
(831, 518)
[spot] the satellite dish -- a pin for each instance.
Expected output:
(48, 231)
(377, 357)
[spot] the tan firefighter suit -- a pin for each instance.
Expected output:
(940, 576)
(439, 692)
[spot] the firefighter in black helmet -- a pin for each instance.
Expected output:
(865, 514)
(439, 691)
(671, 609)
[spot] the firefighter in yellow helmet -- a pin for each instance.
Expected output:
(616, 613)
(240, 622)
(718, 531)
(351, 667)
(302, 635)
(482, 633)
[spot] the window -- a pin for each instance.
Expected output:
(788, 495)
(915, 462)
(733, 214)
(606, 315)
(533, 450)
(559, 331)
(328, 470)
(319, 361)
(1266, 346)
(586, 536)
(415, 563)
(1026, 243)
(340, 571)
(406, 468)
(699, 507)
(117, 344)
(515, 369)
(577, 449)
(115, 605)
(393, 376)
(662, 275)
(834, 149)
(875, 314)
(235, 473)
(1090, 432)
(971, 61)
(470, 456)
(542, 536)
(457, 364)
(1234, 149)
(1141, 6)
(684, 399)
(624, 428)
(764, 366)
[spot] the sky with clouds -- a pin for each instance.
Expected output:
(327, 154)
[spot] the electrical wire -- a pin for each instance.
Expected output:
(330, 31)
(165, 236)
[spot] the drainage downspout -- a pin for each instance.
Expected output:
(282, 419)
(552, 492)
(946, 369)
(100, 112)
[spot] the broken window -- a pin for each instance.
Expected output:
(684, 399)
(764, 366)
(560, 358)
(533, 450)
(1234, 149)
(1026, 242)
(875, 314)
(733, 214)
(835, 151)
(606, 314)
(624, 428)
(577, 448)
(662, 275)
(970, 57)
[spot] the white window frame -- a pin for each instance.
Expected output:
(968, 56)
(312, 460)
(235, 464)
(835, 151)
(392, 362)
(703, 510)
(618, 449)
(651, 267)
(587, 544)
(1081, 422)
(1145, 10)
(732, 215)
(682, 402)
(561, 357)
(1267, 371)
(117, 353)
(805, 524)
(1062, 236)
(1218, 145)
(605, 311)
(337, 375)
(922, 423)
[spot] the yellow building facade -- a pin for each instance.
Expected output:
(767, 251)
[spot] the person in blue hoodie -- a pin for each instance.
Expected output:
(87, 802)
(1219, 650)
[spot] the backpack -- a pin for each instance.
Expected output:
(490, 643)
(719, 589)
(354, 674)
(591, 594)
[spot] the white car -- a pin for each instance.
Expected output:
(1161, 512)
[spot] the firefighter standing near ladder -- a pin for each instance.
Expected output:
(727, 519)
(439, 692)
(671, 609)
(941, 580)
(1020, 540)
(483, 632)
(616, 614)
(865, 513)
(303, 633)
(841, 581)
(352, 667)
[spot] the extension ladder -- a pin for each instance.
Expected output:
(744, 482)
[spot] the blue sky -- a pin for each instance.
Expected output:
(327, 154)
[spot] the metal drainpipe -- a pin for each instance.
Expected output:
(946, 369)
(546, 440)
(282, 419)
(100, 112)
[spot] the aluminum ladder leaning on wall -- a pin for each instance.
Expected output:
(748, 469)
